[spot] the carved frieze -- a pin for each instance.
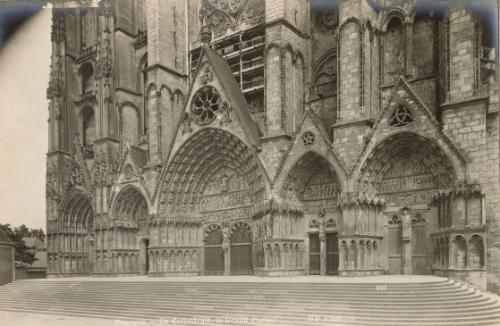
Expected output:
(407, 182)
(225, 190)
(223, 17)
(326, 22)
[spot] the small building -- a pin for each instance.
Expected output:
(7, 269)
(38, 269)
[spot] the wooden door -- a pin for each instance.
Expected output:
(314, 249)
(241, 250)
(214, 255)
(394, 245)
(419, 247)
(332, 253)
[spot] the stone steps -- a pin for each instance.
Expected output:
(441, 302)
(254, 308)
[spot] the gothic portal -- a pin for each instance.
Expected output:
(273, 138)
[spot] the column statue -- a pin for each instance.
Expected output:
(406, 241)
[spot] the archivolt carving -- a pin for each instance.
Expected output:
(131, 205)
(311, 180)
(422, 166)
(212, 163)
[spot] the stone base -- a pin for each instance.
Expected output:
(59, 275)
(173, 274)
(115, 274)
(364, 272)
(278, 272)
(474, 277)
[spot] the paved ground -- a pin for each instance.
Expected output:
(28, 319)
(257, 279)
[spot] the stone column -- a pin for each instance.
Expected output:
(322, 250)
(142, 257)
(226, 248)
(202, 260)
(306, 255)
(406, 241)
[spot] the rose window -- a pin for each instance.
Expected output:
(205, 105)
(401, 116)
(308, 139)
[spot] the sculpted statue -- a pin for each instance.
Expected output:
(406, 223)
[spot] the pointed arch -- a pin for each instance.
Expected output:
(311, 178)
(131, 204)
(75, 229)
(436, 167)
(130, 122)
(395, 12)
(201, 155)
(327, 56)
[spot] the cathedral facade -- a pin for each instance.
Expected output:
(273, 138)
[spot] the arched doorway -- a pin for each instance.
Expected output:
(130, 218)
(406, 170)
(314, 184)
(214, 175)
(241, 249)
(75, 236)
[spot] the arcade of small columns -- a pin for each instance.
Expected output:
(278, 239)
(362, 230)
(279, 246)
(459, 239)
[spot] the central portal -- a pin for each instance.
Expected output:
(331, 252)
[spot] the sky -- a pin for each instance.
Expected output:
(24, 74)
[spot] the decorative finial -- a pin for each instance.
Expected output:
(206, 34)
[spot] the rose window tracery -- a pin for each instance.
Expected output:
(308, 139)
(128, 171)
(401, 116)
(205, 105)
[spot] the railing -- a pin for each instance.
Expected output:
(252, 63)
(324, 89)
(253, 42)
(86, 53)
(253, 83)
